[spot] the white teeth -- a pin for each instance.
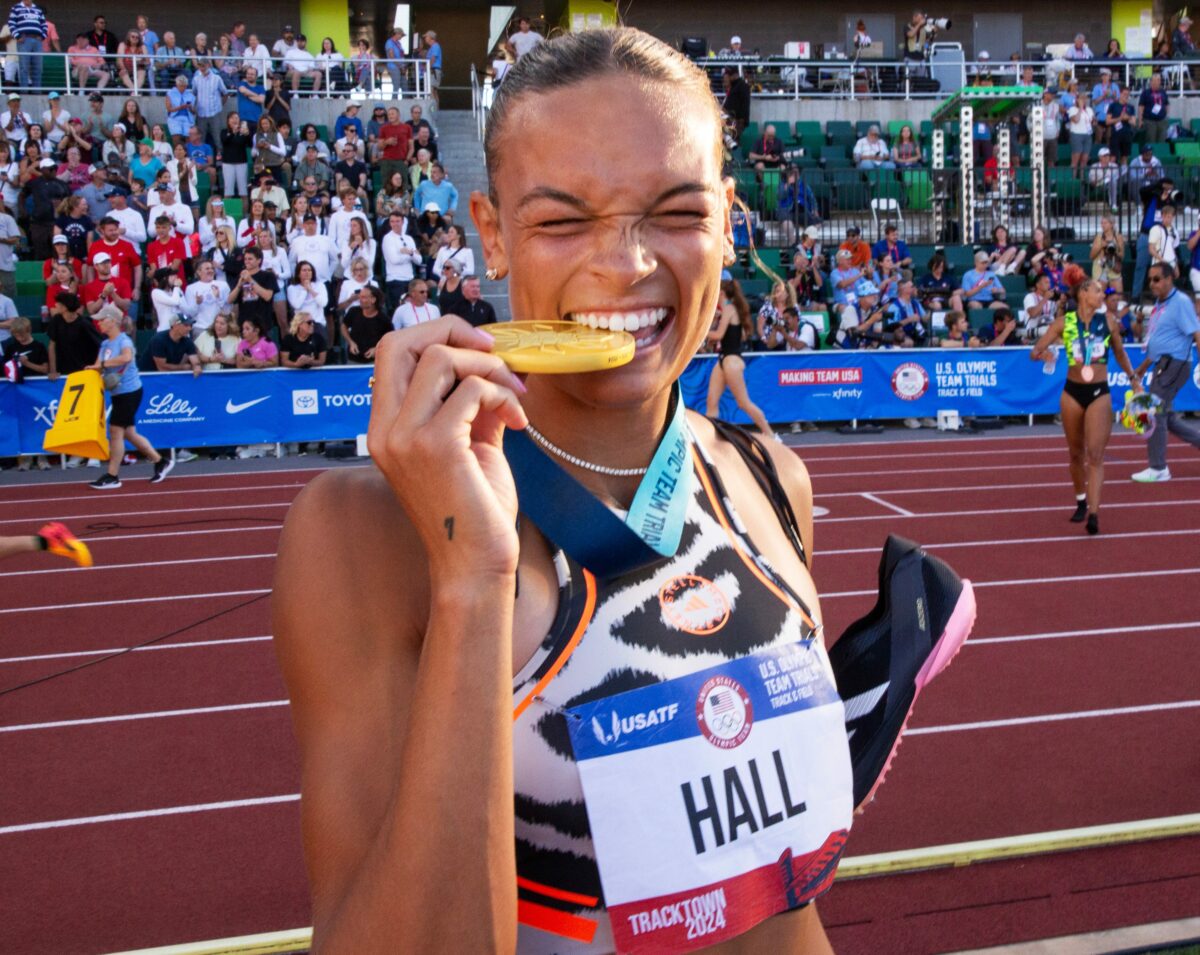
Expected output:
(616, 323)
(621, 321)
(648, 317)
(601, 322)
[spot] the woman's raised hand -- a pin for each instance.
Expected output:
(440, 405)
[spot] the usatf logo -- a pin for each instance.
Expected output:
(724, 712)
(304, 401)
(619, 726)
(910, 381)
(693, 605)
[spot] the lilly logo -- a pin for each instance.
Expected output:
(304, 401)
(624, 725)
(168, 404)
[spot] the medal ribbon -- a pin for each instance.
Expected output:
(572, 518)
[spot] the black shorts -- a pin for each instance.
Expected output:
(124, 409)
(1085, 392)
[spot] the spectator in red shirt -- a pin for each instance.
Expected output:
(860, 252)
(126, 262)
(59, 245)
(63, 279)
(166, 250)
(107, 288)
(396, 144)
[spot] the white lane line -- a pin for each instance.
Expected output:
(1145, 629)
(148, 563)
(137, 600)
(176, 477)
(100, 518)
(882, 503)
(215, 530)
(998, 510)
(1059, 448)
(1073, 538)
(1054, 718)
(188, 645)
(132, 717)
(148, 813)
(990, 468)
(1113, 481)
(1075, 578)
(961, 441)
(141, 494)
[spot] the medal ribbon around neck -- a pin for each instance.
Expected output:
(573, 518)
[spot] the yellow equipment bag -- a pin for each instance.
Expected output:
(79, 426)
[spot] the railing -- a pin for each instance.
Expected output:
(478, 108)
(145, 73)
(781, 78)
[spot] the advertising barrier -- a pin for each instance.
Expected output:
(246, 407)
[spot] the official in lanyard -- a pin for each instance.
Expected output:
(1086, 404)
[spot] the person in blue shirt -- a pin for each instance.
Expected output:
(181, 108)
(393, 49)
(1173, 329)
(1104, 94)
(437, 189)
(251, 95)
(891, 246)
(980, 286)
(346, 119)
(117, 365)
(433, 53)
(843, 278)
(906, 316)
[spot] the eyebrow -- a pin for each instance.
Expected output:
(557, 195)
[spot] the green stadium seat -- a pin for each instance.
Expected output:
(323, 134)
(1162, 151)
(770, 190)
(1194, 126)
(746, 184)
(861, 127)
(884, 185)
(809, 128)
(1013, 285)
(814, 146)
(233, 207)
(836, 127)
(959, 257)
(918, 188)
(28, 271)
(1187, 153)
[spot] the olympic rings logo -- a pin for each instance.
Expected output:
(724, 712)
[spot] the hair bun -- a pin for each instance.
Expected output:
(1074, 275)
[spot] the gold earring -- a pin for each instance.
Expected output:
(492, 274)
(730, 257)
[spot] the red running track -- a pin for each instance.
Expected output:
(150, 799)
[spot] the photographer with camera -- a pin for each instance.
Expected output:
(1108, 254)
(1154, 196)
(856, 326)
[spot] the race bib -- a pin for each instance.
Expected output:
(717, 799)
(1156, 108)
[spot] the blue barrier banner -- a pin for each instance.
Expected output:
(326, 404)
(840, 385)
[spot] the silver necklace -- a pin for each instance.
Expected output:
(579, 462)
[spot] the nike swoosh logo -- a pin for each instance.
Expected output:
(231, 408)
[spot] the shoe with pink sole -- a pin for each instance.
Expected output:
(882, 662)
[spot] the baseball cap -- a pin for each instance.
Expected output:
(852, 230)
(218, 201)
(432, 207)
(96, 98)
(309, 217)
(812, 232)
(352, 105)
(734, 39)
(843, 253)
(108, 311)
(865, 287)
(54, 94)
(47, 163)
(101, 257)
(1104, 151)
(183, 320)
(59, 239)
(984, 55)
(1147, 147)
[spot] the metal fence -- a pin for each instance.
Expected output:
(778, 78)
(141, 74)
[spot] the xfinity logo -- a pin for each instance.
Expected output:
(45, 413)
(624, 725)
(304, 401)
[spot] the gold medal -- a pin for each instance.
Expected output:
(1087, 372)
(559, 348)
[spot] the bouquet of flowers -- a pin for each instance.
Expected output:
(1140, 412)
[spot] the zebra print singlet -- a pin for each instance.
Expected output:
(717, 599)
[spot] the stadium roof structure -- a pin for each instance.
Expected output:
(989, 102)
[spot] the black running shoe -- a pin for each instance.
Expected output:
(1093, 523)
(1080, 514)
(162, 467)
(106, 482)
(923, 615)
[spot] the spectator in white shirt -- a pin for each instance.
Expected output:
(400, 259)
(1039, 308)
(284, 44)
(205, 297)
(1079, 49)
(307, 294)
(871, 152)
(131, 225)
(169, 205)
(454, 250)
(54, 120)
(339, 222)
(358, 277)
(1081, 119)
(524, 40)
(214, 217)
(318, 250)
(1163, 240)
(299, 63)
(358, 244)
(166, 295)
(416, 309)
(258, 56)
(15, 122)
(350, 137)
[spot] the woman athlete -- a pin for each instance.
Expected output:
(732, 328)
(54, 538)
(1087, 414)
(436, 685)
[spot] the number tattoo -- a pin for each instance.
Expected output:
(449, 524)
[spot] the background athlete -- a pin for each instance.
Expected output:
(54, 538)
(1086, 404)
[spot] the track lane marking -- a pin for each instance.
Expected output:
(140, 494)
(149, 813)
(998, 510)
(1115, 482)
(996, 542)
(137, 600)
(187, 645)
(177, 477)
(990, 468)
(135, 717)
(1094, 632)
(882, 503)
(1054, 718)
(98, 518)
(1029, 581)
(146, 563)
